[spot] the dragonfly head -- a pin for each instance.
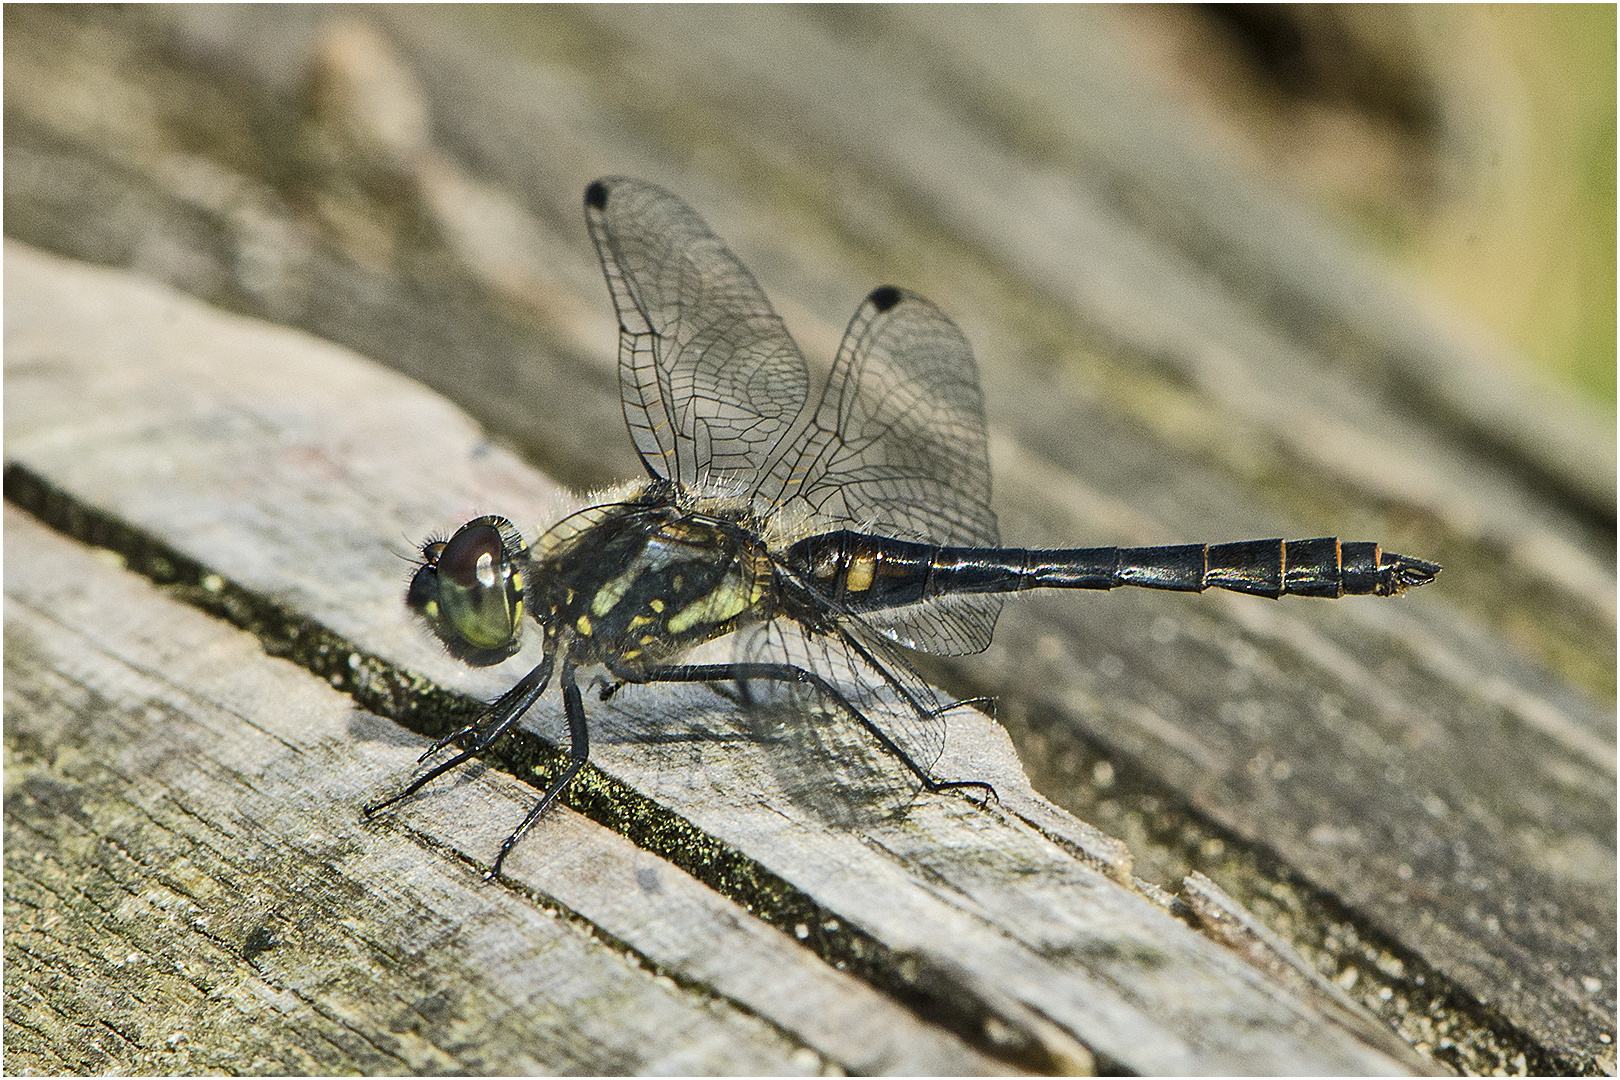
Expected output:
(470, 589)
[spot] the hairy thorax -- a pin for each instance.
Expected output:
(636, 583)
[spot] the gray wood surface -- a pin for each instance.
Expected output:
(1418, 796)
(283, 468)
(200, 896)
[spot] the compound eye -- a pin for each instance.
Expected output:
(471, 591)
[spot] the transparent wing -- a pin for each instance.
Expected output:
(897, 445)
(709, 377)
(829, 761)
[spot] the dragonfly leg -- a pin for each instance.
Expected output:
(579, 750)
(496, 711)
(740, 672)
(501, 715)
(987, 788)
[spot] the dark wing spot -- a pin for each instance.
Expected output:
(596, 195)
(884, 297)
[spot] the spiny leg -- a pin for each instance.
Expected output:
(986, 786)
(983, 699)
(504, 711)
(578, 752)
(739, 672)
(492, 712)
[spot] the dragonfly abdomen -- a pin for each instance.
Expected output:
(868, 573)
(1323, 567)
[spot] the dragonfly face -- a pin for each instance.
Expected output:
(470, 590)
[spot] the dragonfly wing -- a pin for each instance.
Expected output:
(897, 446)
(709, 377)
(828, 761)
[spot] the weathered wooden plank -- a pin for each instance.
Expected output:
(1360, 824)
(659, 912)
(189, 888)
(1420, 794)
(283, 467)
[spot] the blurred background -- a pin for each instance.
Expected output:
(1229, 271)
(1473, 145)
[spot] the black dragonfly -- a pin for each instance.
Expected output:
(824, 533)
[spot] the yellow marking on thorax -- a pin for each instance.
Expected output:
(583, 625)
(729, 599)
(610, 594)
(656, 605)
(862, 569)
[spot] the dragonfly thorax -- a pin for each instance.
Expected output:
(635, 583)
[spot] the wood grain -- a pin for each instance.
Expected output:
(999, 905)
(1418, 795)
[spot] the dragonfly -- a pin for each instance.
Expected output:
(827, 536)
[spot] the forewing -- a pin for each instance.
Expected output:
(897, 446)
(709, 377)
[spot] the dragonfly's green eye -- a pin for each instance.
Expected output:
(470, 590)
